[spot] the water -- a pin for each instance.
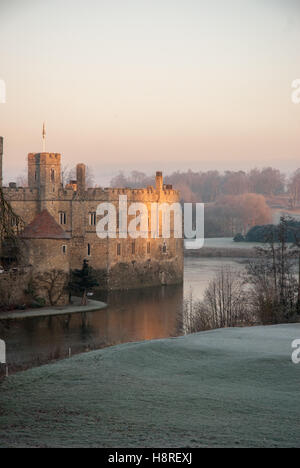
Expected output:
(131, 316)
(198, 272)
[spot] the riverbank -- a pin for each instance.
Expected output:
(221, 247)
(73, 308)
(223, 388)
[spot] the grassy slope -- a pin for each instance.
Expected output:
(234, 387)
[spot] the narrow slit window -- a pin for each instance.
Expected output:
(92, 218)
(62, 217)
(89, 250)
(118, 249)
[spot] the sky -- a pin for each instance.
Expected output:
(151, 84)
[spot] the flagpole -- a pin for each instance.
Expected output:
(44, 138)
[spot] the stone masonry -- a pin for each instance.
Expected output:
(119, 263)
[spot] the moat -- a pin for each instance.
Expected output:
(134, 315)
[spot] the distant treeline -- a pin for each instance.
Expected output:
(208, 186)
(235, 201)
(269, 232)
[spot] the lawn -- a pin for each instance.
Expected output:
(224, 388)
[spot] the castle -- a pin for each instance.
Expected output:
(60, 227)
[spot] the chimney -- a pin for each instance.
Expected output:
(1, 160)
(159, 181)
(80, 174)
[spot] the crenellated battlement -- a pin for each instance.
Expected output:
(44, 158)
(119, 262)
(21, 193)
(94, 194)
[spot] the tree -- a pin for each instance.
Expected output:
(83, 280)
(239, 237)
(235, 183)
(208, 186)
(235, 213)
(225, 304)
(226, 299)
(10, 226)
(54, 283)
(274, 286)
(294, 189)
(268, 181)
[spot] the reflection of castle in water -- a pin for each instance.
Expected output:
(133, 315)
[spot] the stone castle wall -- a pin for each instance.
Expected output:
(120, 263)
(13, 286)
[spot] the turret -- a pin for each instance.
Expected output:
(159, 181)
(81, 177)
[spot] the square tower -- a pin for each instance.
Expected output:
(44, 174)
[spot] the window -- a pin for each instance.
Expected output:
(89, 250)
(52, 175)
(118, 249)
(64, 249)
(164, 249)
(148, 248)
(133, 248)
(92, 218)
(62, 217)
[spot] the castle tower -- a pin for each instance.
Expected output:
(1, 160)
(44, 173)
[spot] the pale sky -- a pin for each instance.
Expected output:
(151, 84)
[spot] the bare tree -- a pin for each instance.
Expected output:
(294, 189)
(53, 283)
(274, 285)
(10, 227)
(225, 304)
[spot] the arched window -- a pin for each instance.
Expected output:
(52, 175)
(89, 250)
(64, 249)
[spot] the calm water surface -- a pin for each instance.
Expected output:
(131, 316)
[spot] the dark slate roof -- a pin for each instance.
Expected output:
(44, 226)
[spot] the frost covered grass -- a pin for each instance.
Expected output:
(227, 388)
